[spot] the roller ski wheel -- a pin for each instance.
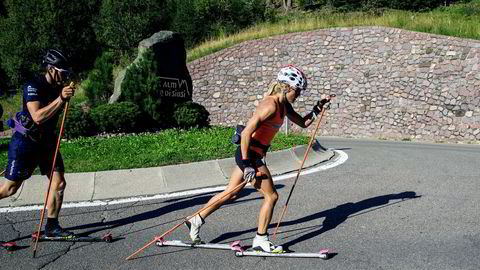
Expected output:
(9, 246)
(107, 238)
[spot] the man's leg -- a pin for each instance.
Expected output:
(9, 188)
(54, 204)
(55, 197)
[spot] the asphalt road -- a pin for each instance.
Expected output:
(391, 205)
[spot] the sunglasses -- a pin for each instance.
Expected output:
(298, 91)
(64, 72)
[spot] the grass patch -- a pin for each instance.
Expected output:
(450, 21)
(151, 150)
(10, 105)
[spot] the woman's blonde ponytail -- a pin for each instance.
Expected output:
(277, 87)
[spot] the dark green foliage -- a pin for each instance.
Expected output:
(100, 81)
(470, 9)
(190, 114)
(3, 10)
(200, 19)
(122, 24)
(141, 86)
(35, 25)
(78, 124)
(353, 5)
(117, 117)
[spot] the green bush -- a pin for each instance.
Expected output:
(78, 124)
(190, 114)
(122, 24)
(141, 85)
(100, 81)
(117, 117)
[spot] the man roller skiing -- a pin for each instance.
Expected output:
(33, 142)
(255, 140)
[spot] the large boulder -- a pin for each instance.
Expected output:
(170, 54)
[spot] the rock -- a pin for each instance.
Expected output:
(170, 55)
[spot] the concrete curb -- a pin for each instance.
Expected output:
(108, 185)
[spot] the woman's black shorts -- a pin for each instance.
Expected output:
(254, 157)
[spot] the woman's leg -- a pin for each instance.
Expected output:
(234, 186)
(267, 188)
(235, 180)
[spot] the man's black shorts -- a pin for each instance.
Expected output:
(24, 155)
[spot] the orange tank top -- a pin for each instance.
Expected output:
(267, 130)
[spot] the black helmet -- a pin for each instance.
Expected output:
(56, 58)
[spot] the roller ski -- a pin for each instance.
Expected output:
(264, 248)
(235, 246)
(323, 254)
(9, 246)
(72, 238)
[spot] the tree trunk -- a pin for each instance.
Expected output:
(287, 4)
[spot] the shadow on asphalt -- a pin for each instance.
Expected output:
(333, 217)
(178, 204)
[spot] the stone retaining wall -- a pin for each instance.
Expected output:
(390, 83)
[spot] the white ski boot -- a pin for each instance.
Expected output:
(193, 225)
(261, 243)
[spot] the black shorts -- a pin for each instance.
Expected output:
(254, 157)
(24, 155)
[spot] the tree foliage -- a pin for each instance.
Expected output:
(122, 24)
(33, 26)
(200, 19)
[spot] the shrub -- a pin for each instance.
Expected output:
(117, 117)
(190, 114)
(100, 86)
(141, 85)
(78, 124)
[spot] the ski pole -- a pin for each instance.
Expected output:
(42, 212)
(299, 170)
(155, 239)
